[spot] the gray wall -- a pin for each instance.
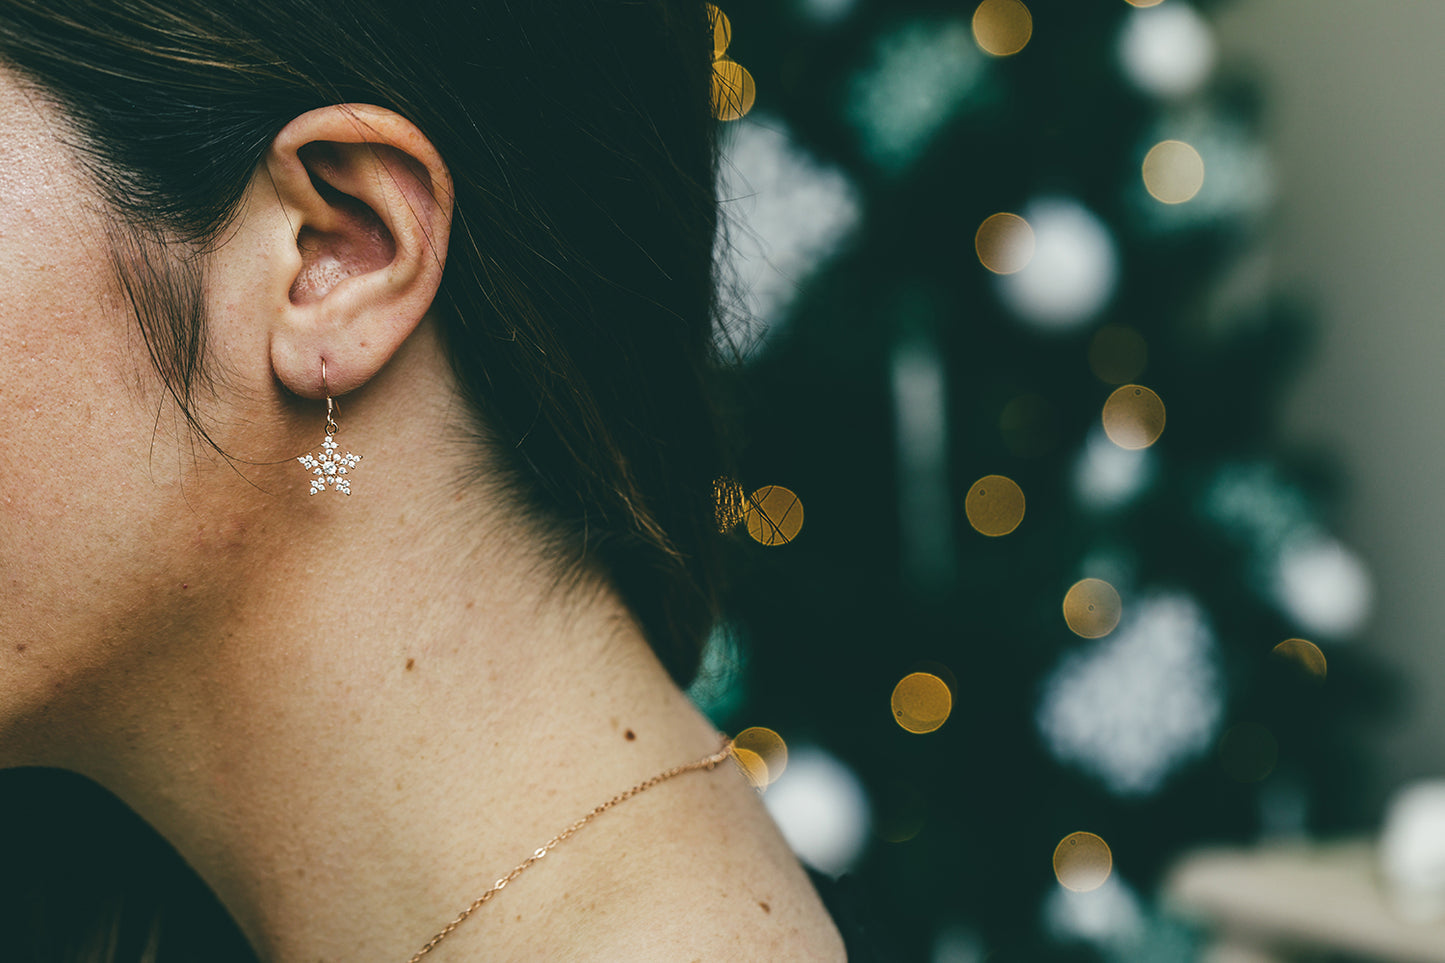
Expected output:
(1355, 91)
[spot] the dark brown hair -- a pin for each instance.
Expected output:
(579, 293)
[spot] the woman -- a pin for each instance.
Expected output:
(471, 244)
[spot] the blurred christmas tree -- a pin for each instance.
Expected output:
(985, 250)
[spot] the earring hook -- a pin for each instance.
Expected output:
(329, 467)
(331, 406)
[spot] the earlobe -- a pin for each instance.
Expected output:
(368, 203)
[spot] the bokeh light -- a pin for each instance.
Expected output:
(720, 687)
(1173, 172)
(752, 766)
(1108, 477)
(1112, 915)
(761, 753)
(822, 810)
(1303, 655)
(1133, 417)
(1074, 270)
(722, 30)
(1002, 27)
(828, 11)
(1092, 608)
(994, 505)
(1143, 3)
(923, 73)
(938, 669)
(733, 90)
(1137, 706)
(1168, 51)
(1005, 243)
(921, 702)
(787, 213)
(1248, 752)
(1323, 585)
(774, 515)
(1117, 354)
(1082, 862)
(728, 503)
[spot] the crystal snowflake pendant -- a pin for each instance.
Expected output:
(330, 468)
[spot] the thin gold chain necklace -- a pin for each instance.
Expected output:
(707, 762)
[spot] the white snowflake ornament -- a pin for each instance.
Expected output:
(330, 468)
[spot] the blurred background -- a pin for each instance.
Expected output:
(1089, 499)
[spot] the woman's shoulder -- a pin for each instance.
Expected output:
(721, 926)
(704, 875)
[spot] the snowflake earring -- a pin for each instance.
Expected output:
(330, 468)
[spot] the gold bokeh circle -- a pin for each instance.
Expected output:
(729, 503)
(1173, 172)
(1004, 243)
(1082, 862)
(1002, 27)
(1304, 655)
(1133, 417)
(922, 702)
(758, 744)
(994, 505)
(774, 515)
(752, 766)
(722, 30)
(733, 90)
(1092, 608)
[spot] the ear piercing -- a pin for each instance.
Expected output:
(328, 467)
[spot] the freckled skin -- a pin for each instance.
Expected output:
(97, 492)
(217, 648)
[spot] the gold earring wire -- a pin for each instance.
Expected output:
(328, 467)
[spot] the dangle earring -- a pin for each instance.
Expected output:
(329, 468)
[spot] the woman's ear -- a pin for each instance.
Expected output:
(355, 257)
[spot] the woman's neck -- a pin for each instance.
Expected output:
(360, 742)
(352, 715)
